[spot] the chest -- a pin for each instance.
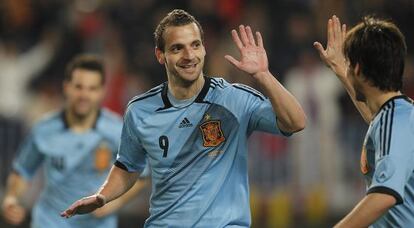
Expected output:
(73, 152)
(176, 136)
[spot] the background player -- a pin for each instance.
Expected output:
(193, 129)
(76, 148)
(369, 61)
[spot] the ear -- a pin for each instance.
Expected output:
(357, 69)
(160, 55)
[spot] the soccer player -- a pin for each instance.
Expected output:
(193, 130)
(369, 61)
(76, 147)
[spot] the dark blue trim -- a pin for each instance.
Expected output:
(387, 191)
(120, 165)
(249, 91)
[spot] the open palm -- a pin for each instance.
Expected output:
(253, 57)
(333, 55)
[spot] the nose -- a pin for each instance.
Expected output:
(189, 53)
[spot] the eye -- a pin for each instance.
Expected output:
(175, 48)
(196, 44)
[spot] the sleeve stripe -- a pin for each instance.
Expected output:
(386, 122)
(381, 125)
(249, 90)
(384, 137)
(391, 120)
(388, 191)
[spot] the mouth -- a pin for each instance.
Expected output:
(188, 66)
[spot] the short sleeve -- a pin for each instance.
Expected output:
(131, 154)
(263, 118)
(29, 158)
(260, 111)
(394, 161)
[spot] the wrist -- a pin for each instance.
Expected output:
(262, 76)
(101, 199)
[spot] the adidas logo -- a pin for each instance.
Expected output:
(185, 123)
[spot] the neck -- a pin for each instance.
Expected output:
(81, 123)
(182, 91)
(376, 98)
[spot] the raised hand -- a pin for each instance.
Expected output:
(253, 55)
(84, 205)
(333, 55)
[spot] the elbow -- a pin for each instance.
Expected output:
(299, 124)
(294, 125)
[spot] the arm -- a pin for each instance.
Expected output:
(334, 58)
(291, 117)
(368, 210)
(122, 200)
(12, 210)
(118, 182)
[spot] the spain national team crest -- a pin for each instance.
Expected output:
(212, 133)
(103, 156)
(364, 161)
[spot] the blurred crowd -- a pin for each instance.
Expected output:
(309, 180)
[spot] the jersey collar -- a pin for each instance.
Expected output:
(66, 123)
(199, 99)
(402, 96)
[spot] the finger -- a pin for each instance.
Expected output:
(343, 31)
(232, 60)
(250, 35)
(236, 39)
(337, 27)
(259, 39)
(330, 33)
(243, 35)
(320, 48)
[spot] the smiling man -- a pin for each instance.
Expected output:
(76, 147)
(193, 131)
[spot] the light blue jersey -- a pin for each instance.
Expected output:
(197, 151)
(75, 165)
(388, 160)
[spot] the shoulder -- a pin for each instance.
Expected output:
(49, 123)
(247, 90)
(110, 117)
(147, 96)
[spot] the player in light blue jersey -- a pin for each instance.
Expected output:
(369, 60)
(193, 131)
(76, 147)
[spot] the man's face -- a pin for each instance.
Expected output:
(84, 92)
(183, 54)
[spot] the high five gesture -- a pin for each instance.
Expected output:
(253, 58)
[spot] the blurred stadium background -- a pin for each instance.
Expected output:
(310, 180)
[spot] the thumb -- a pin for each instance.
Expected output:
(319, 47)
(232, 60)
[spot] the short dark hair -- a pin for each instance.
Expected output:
(86, 62)
(380, 49)
(177, 17)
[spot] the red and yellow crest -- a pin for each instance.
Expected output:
(212, 133)
(364, 162)
(103, 156)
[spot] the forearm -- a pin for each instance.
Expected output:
(368, 210)
(291, 117)
(118, 182)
